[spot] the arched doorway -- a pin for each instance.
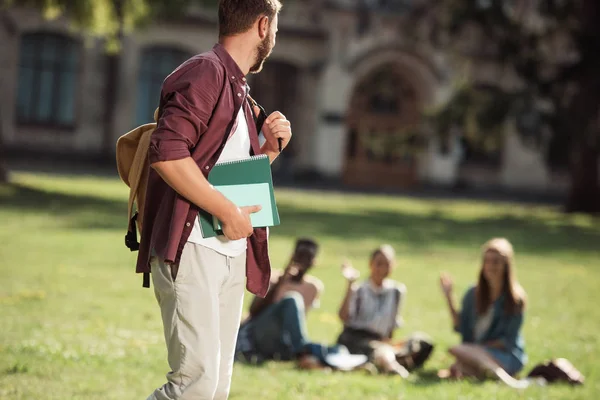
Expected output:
(382, 140)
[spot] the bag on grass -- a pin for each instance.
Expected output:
(413, 353)
(557, 370)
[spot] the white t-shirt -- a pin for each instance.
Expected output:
(237, 147)
(376, 309)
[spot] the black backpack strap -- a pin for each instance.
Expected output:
(132, 244)
(131, 237)
(146, 280)
(262, 116)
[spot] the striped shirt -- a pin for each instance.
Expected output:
(376, 309)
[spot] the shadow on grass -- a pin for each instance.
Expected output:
(421, 232)
(82, 211)
(427, 378)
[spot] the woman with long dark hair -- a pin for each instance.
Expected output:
(490, 319)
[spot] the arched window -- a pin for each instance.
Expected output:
(155, 65)
(48, 74)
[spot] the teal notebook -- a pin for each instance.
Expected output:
(245, 182)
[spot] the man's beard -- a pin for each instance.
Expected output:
(263, 51)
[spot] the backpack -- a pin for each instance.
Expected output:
(557, 370)
(413, 353)
(133, 167)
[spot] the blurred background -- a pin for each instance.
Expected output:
(432, 125)
(473, 96)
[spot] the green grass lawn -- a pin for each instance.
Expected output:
(75, 322)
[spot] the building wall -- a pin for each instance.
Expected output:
(331, 58)
(89, 107)
(352, 57)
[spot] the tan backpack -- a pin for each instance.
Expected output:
(133, 167)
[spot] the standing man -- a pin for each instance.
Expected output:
(205, 116)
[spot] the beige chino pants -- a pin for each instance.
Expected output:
(201, 313)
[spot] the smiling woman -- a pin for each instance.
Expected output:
(491, 319)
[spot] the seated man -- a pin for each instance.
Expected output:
(276, 326)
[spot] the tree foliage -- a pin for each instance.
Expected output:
(552, 49)
(111, 18)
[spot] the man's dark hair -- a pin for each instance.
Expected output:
(237, 16)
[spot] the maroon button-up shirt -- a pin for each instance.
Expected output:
(198, 106)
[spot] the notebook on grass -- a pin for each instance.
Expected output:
(245, 182)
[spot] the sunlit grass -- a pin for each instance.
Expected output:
(75, 322)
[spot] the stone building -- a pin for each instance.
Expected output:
(352, 83)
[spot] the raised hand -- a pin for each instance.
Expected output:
(446, 283)
(349, 272)
(291, 271)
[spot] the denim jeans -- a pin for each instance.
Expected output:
(280, 330)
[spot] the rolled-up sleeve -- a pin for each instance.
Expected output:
(188, 102)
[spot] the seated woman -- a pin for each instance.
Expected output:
(370, 312)
(276, 325)
(490, 319)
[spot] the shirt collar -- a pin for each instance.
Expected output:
(233, 70)
(379, 290)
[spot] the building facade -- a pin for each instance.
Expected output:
(354, 85)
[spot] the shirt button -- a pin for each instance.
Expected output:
(207, 167)
(233, 77)
(244, 79)
(239, 95)
(187, 224)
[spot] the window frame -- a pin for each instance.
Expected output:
(151, 76)
(57, 67)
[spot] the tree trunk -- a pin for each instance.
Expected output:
(3, 168)
(584, 194)
(584, 121)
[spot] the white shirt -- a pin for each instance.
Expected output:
(376, 309)
(237, 147)
(483, 323)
